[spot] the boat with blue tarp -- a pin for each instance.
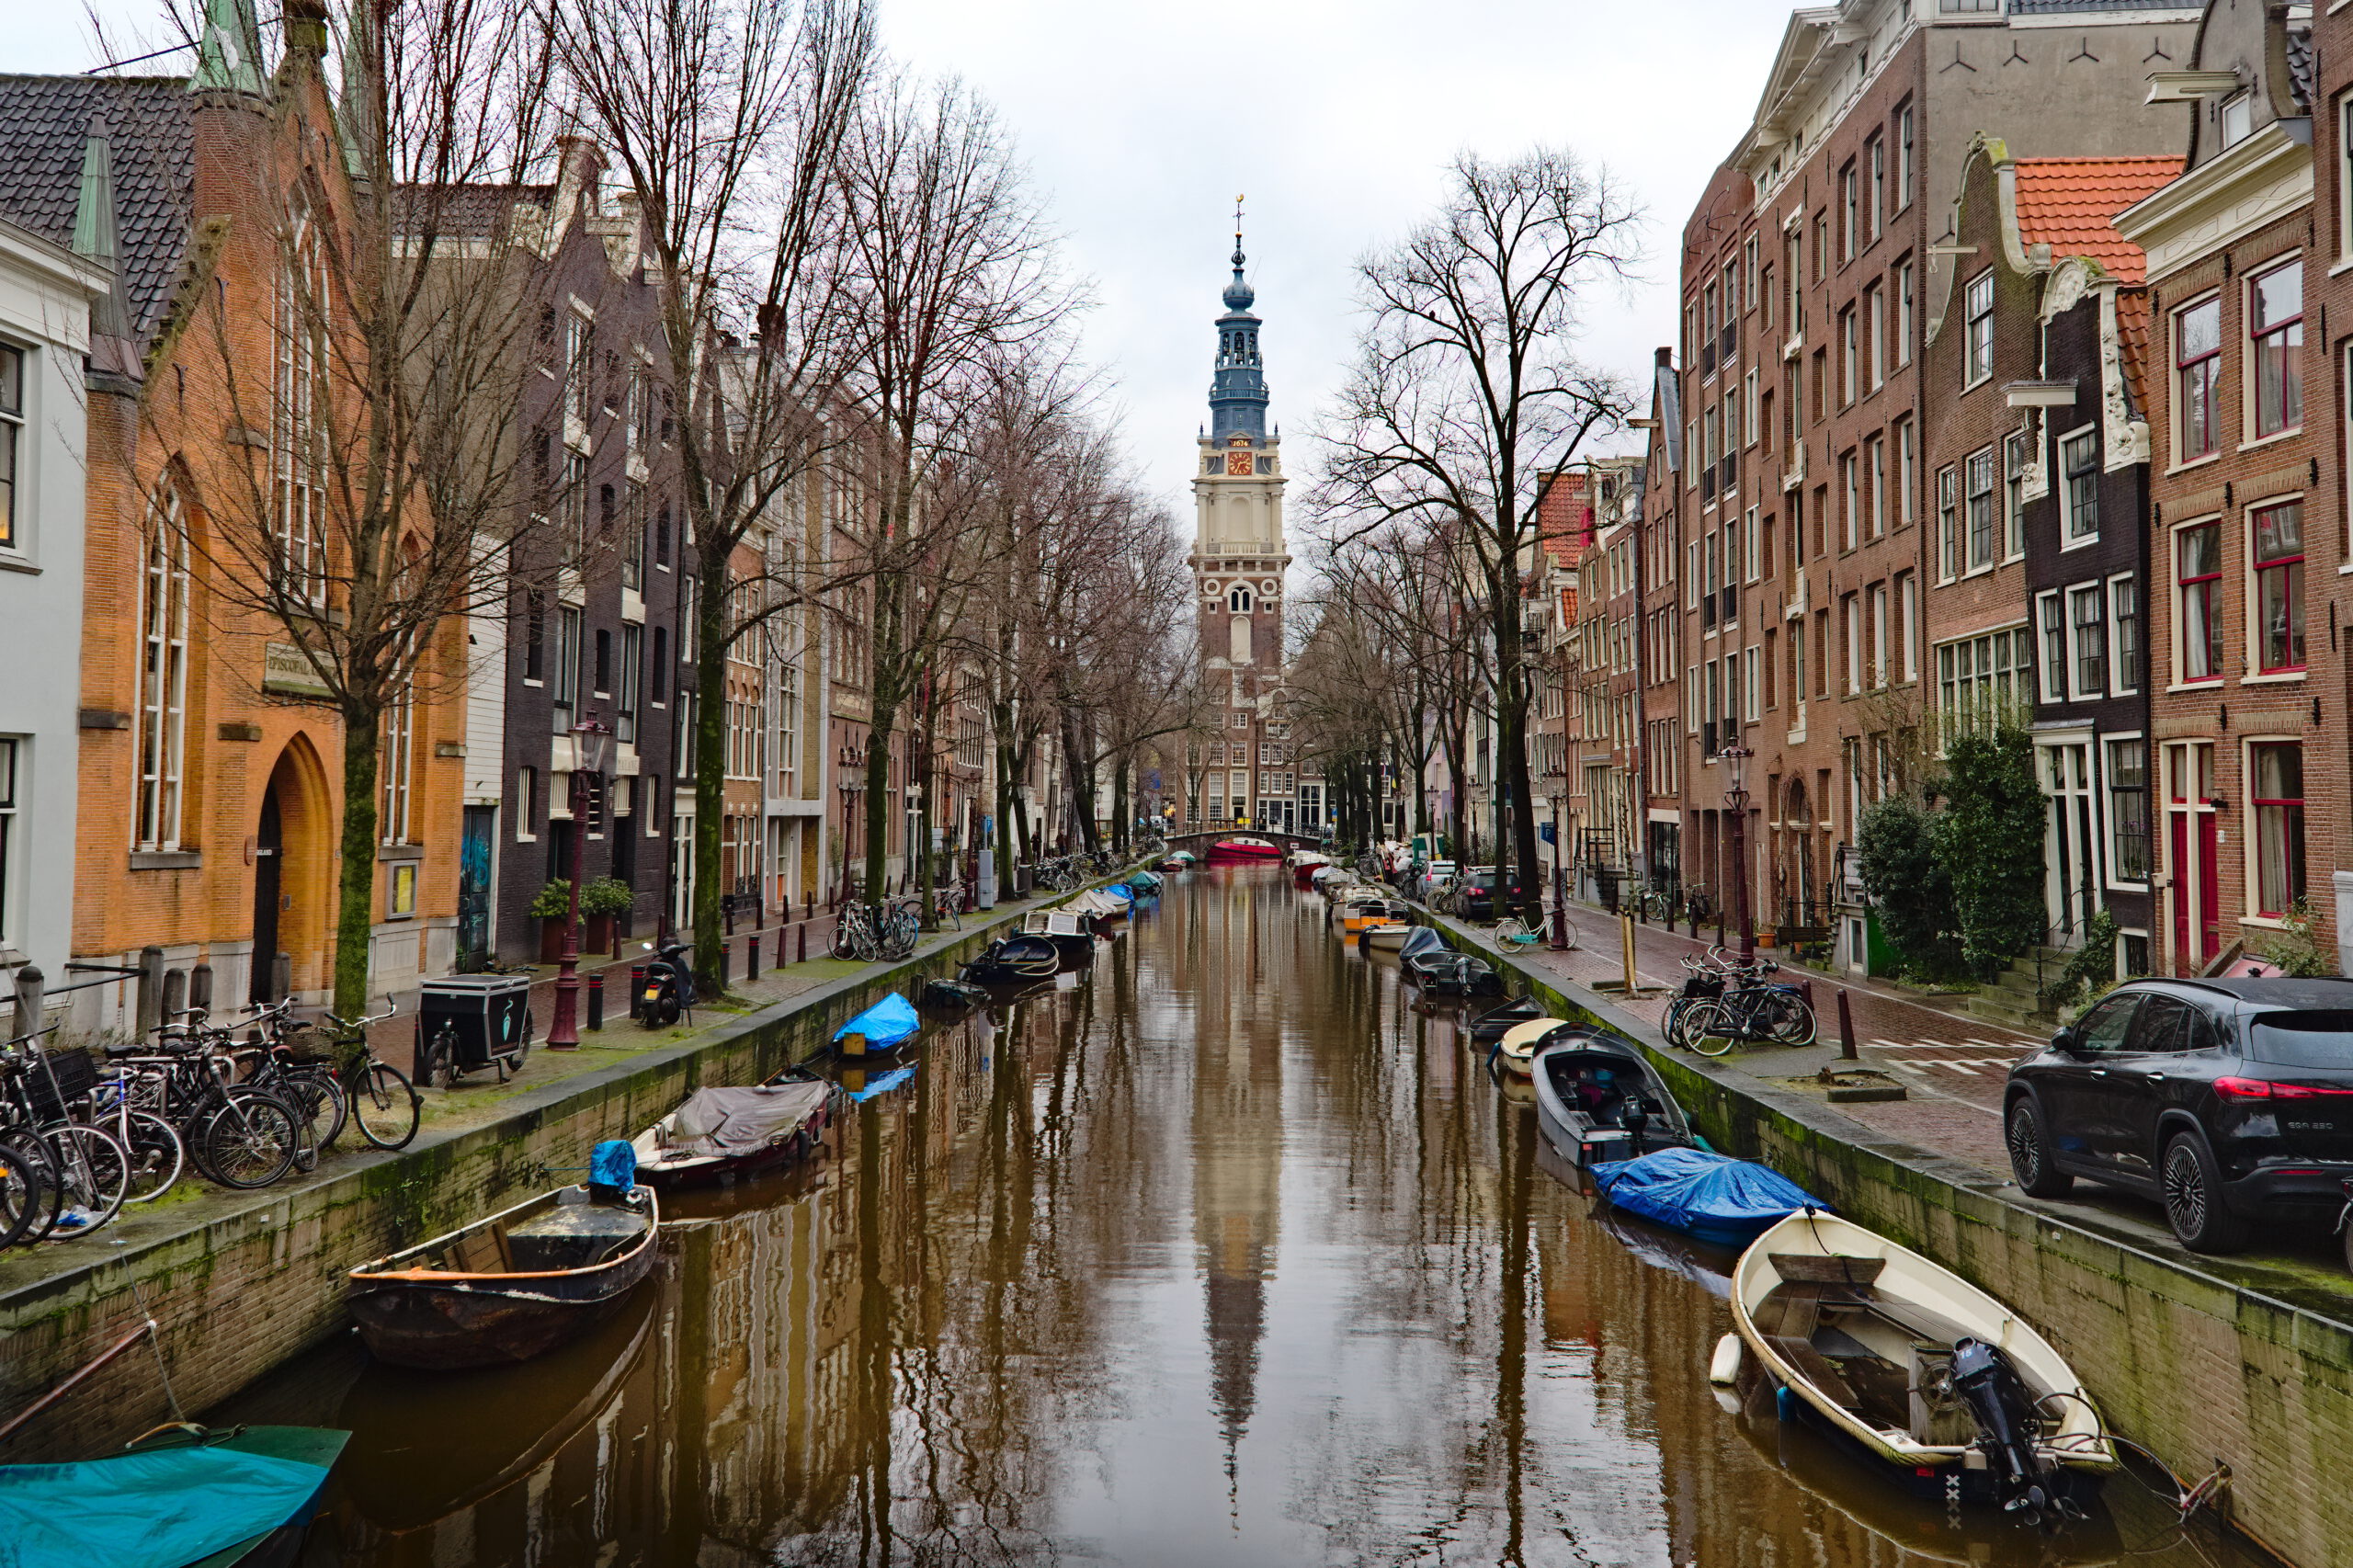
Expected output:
(183, 1497)
(891, 1022)
(1708, 1196)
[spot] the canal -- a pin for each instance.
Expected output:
(1221, 1252)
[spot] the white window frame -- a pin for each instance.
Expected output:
(1909, 609)
(2122, 679)
(2050, 632)
(2096, 594)
(1851, 613)
(1882, 626)
(1977, 357)
(2070, 536)
(16, 370)
(166, 585)
(1904, 314)
(1908, 470)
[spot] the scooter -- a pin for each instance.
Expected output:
(667, 990)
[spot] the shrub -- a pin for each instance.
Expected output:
(552, 902)
(1897, 843)
(2295, 951)
(1989, 840)
(607, 895)
(2093, 966)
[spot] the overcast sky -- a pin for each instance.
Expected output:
(1337, 118)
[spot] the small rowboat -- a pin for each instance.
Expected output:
(1708, 1196)
(1372, 909)
(1916, 1367)
(1439, 970)
(183, 1497)
(1243, 850)
(515, 1285)
(1014, 960)
(1388, 934)
(1071, 932)
(1516, 1052)
(726, 1135)
(1598, 1098)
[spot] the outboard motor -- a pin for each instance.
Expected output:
(1636, 1119)
(1986, 1381)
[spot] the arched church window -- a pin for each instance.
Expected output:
(1238, 601)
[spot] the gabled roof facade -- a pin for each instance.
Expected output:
(45, 125)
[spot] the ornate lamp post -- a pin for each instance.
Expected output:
(592, 752)
(1735, 759)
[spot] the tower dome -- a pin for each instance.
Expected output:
(1238, 389)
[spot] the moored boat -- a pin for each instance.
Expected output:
(1070, 930)
(1243, 850)
(1598, 1098)
(1439, 970)
(1373, 908)
(1708, 1196)
(183, 1497)
(890, 1023)
(725, 1134)
(1496, 1022)
(1014, 960)
(1515, 1051)
(1920, 1370)
(1388, 934)
(516, 1284)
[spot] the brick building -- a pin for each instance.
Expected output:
(1811, 267)
(2241, 516)
(210, 773)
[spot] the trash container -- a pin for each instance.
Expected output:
(485, 1020)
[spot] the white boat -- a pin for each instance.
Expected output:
(1516, 1050)
(1388, 933)
(1918, 1366)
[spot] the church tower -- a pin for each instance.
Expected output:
(1247, 771)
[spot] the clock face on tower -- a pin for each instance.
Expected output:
(1237, 464)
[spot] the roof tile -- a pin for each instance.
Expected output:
(2070, 204)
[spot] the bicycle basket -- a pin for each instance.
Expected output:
(56, 1079)
(1704, 985)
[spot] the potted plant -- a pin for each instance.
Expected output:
(602, 903)
(552, 908)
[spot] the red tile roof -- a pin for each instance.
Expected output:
(2070, 205)
(2132, 343)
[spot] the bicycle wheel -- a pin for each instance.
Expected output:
(318, 1100)
(249, 1141)
(1569, 935)
(158, 1156)
(384, 1105)
(1791, 1021)
(24, 1193)
(845, 939)
(1709, 1028)
(91, 1172)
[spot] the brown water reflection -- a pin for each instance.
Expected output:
(1226, 1255)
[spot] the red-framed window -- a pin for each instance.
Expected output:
(2275, 327)
(2280, 585)
(2276, 789)
(2199, 572)
(2198, 367)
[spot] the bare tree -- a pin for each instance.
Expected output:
(729, 119)
(943, 268)
(1467, 385)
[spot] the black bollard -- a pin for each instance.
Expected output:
(804, 941)
(1845, 1029)
(779, 946)
(596, 1000)
(636, 988)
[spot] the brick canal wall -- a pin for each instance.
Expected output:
(236, 1295)
(2195, 1366)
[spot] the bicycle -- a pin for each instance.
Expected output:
(86, 1171)
(1751, 1011)
(384, 1105)
(237, 1135)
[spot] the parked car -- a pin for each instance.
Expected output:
(1432, 877)
(1479, 894)
(2228, 1101)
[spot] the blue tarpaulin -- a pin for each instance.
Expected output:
(147, 1510)
(613, 1164)
(885, 1024)
(1713, 1197)
(885, 1083)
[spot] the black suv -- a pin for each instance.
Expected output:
(2226, 1100)
(1479, 895)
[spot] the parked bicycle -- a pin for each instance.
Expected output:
(339, 1081)
(1751, 1009)
(85, 1173)
(874, 932)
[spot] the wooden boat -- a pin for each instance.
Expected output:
(1014, 960)
(1598, 1098)
(1373, 909)
(1387, 934)
(1916, 1367)
(1515, 1051)
(1496, 1022)
(510, 1286)
(182, 1496)
(1243, 850)
(726, 1135)
(1070, 931)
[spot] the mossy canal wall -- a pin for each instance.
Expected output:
(258, 1276)
(2255, 1373)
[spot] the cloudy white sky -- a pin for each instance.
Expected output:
(1141, 122)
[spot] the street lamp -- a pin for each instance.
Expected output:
(1735, 760)
(592, 752)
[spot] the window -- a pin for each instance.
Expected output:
(1982, 679)
(577, 372)
(2238, 120)
(1875, 334)
(2276, 789)
(1948, 526)
(2087, 612)
(1910, 609)
(398, 731)
(633, 540)
(602, 684)
(2279, 587)
(2276, 330)
(2128, 811)
(1904, 157)
(163, 588)
(1876, 157)
(2199, 574)
(2197, 367)
(632, 672)
(1977, 338)
(1850, 384)
(1907, 470)
(566, 685)
(1849, 213)
(297, 442)
(1875, 484)
(1820, 246)
(2054, 647)
(2018, 451)
(2345, 175)
(1879, 630)
(2125, 631)
(12, 435)
(8, 830)
(1851, 501)
(1764, 299)
(535, 630)
(1981, 509)
(2079, 469)
(527, 804)
(1904, 314)
(1851, 614)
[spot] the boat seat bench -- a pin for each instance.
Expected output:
(1816, 1367)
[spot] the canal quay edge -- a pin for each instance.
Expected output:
(235, 1294)
(2200, 1368)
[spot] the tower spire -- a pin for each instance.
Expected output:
(1238, 390)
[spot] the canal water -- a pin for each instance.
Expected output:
(1223, 1251)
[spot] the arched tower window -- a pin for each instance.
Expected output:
(1238, 601)
(163, 673)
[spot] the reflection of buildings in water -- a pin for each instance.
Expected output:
(1237, 1137)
